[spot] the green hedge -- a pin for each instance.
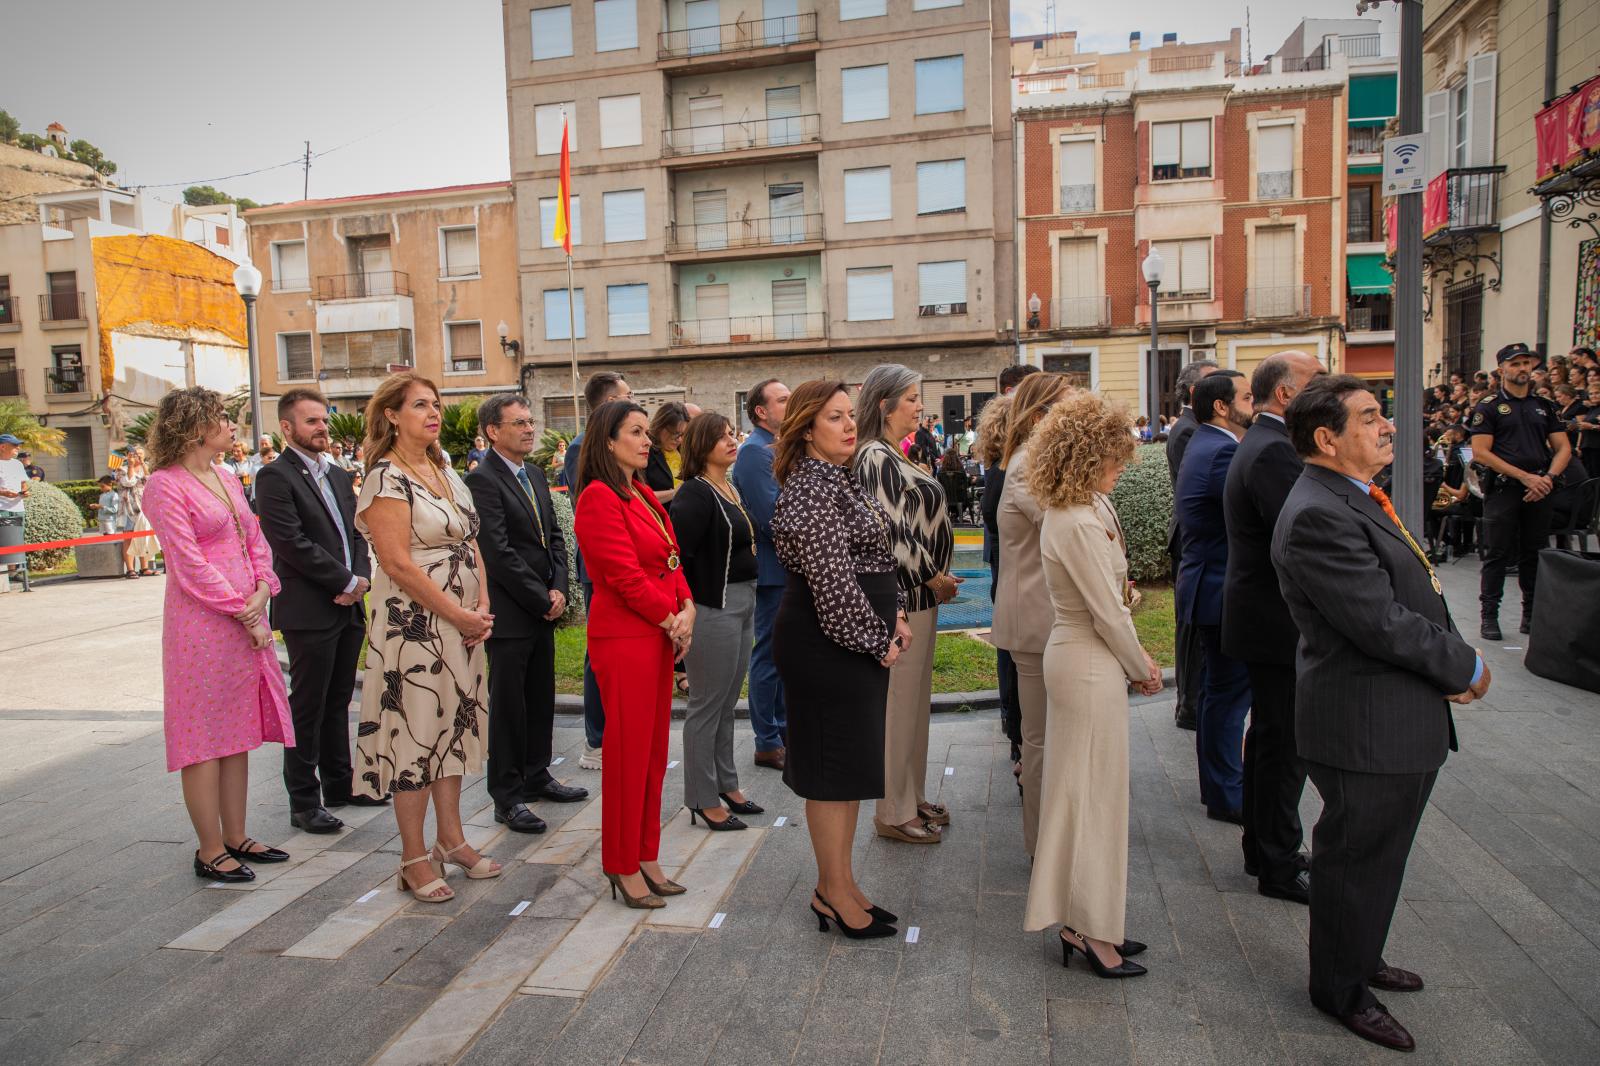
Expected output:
(1143, 499)
(82, 493)
(574, 615)
(49, 515)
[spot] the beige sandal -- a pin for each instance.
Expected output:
(923, 835)
(425, 892)
(934, 813)
(482, 870)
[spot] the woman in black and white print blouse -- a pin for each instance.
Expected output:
(840, 627)
(890, 404)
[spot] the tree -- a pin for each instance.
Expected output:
(92, 157)
(138, 431)
(31, 141)
(9, 127)
(16, 419)
(204, 196)
(244, 203)
(349, 427)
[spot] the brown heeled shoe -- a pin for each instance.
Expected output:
(667, 887)
(647, 902)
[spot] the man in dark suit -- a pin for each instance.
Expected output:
(308, 515)
(1378, 658)
(1257, 629)
(525, 558)
(1222, 401)
(1190, 663)
(752, 476)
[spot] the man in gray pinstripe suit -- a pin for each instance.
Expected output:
(1378, 663)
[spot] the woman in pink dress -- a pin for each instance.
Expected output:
(224, 690)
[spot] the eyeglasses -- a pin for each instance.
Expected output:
(521, 423)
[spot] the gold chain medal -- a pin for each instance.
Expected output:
(672, 549)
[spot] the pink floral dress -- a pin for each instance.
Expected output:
(221, 697)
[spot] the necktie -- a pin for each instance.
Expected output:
(527, 486)
(1382, 500)
(319, 477)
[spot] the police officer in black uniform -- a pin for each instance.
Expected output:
(1520, 439)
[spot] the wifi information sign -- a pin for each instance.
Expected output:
(1405, 165)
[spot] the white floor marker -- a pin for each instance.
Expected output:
(672, 764)
(949, 771)
(368, 896)
(716, 920)
(913, 934)
(519, 908)
(558, 760)
(779, 821)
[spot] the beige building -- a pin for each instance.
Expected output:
(774, 188)
(1485, 81)
(356, 287)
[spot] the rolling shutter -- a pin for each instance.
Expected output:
(616, 25)
(941, 186)
(869, 294)
(941, 284)
(461, 252)
(711, 219)
(864, 93)
(1196, 267)
(624, 215)
(621, 124)
(1481, 71)
(551, 28)
(939, 85)
(556, 326)
(866, 195)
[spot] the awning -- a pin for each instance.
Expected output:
(1366, 275)
(1373, 96)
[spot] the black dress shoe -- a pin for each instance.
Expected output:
(1296, 891)
(519, 819)
(208, 870)
(1378, 1025)
(315, 820)
(556, 792)
(250, 850)
(1394, 979)
(1233, 816)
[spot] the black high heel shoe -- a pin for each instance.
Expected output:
(886, 917)
(1129, 948)
(1122, 969)
(209, 871)
(874, 930)
(741, 808)
(727, 825)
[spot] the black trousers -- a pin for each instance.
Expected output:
(1359, 848)
(1513, 531)
(1010, 701)
(322, 676)
(522, 708)
(1190, 665)
(1274, 777)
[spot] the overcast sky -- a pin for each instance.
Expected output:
(401, 94)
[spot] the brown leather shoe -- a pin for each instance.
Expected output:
(1394, 979)
(773, 759)
(1378, 1025)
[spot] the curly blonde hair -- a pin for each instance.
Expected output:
(993, 422)
(1072, 446)
(183, 418)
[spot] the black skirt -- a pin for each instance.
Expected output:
(834, 697)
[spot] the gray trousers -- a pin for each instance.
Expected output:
(717, 661)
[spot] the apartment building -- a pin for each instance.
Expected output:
(1235, 174)
(1490, 276)
(107, 301)
(356, 287)
(782, 188)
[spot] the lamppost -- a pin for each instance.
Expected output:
(1152, 266)
(247, 279)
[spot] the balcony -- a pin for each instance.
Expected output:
(1372, 314)
(1364, 140)
(1461, 201)
(10, 383)
(1170, 64)
(1277, 301)
(740, 236)
(9, 323)
(1073, 312)
(66, 381)
(362, 286)
(62, 310)
(1077, 199)
(708, 145)
(749, 329)
(707, 47)
(1274, 184)
(1362, 46)
(1068, 81)
(374, 300)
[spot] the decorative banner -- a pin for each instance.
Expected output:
(1391, 226)
(1550, 134)
(1436, 205)
(1568, 128)
(1583, 110)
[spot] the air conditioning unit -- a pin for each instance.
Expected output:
(1202, 336)
(1202, 353)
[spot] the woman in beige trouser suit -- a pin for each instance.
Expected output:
(1022, 615)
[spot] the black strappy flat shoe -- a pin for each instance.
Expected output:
(266, 854)
(209, 871)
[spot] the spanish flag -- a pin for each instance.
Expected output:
(563, 226)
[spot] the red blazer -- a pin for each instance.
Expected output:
(626, 558)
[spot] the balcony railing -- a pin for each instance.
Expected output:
(8, 311)
(749, 329)
(467, 366)
(1074, 312)
(60, 306)
(744, 233)
(740, 136)
(65, 379)
(1462, 200)
(1364, 140)
(1368, 319)
(1066, 81)
(1277, 301)
(1358, 227)
(1101, 81)
(10, 382)
(1076, 199)
(1274, 184)
(1302, 64)
(1362, 46)
(360, 286)
(737, 36)
(1167, 64)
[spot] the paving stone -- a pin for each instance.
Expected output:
(605, 1026)
(846, 1020)
(522, 1033)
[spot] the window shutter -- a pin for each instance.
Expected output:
(1165, 145)
(297, 365)
(461, 251)
(547, 128)
(556, 327)
(929, 5)
(1079, 260)
(1481, 72)
(869, 294)
(547, 221)
(860, 9)
(628, 310)
(1436, 128)
(292, 271)
(1077, 176)
(620, 121)
(1196, 266)
(1274, 149)
(616, 25)
(942, 283)
(866, 195)
(1275, 257)
(784, 102)
(939, 85)
(624, 215)
(711, 218)
(864, 93)
(1171, 256)
(941, 186)
(1196, 145)
(789, 309)
(551, 28)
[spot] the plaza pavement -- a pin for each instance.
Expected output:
(111, 951)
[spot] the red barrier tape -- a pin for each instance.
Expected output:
(103, 538)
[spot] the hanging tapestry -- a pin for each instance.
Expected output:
(1586, 322)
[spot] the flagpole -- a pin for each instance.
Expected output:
(572, 339)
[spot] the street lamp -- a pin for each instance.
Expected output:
(247, 279)
(1152, 266)
(511, 348)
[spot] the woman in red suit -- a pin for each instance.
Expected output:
(640, 622)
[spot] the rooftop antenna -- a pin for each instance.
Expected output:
(305, 192)
(1249, 52)
(1050, 17)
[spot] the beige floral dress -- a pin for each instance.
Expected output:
(423, 714)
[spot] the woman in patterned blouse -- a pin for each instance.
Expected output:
(923, 543)
(840, 626)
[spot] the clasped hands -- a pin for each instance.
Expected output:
(1151, 684)
(680, 629)
(1476, 692)
(945, 586)
(252, 617)
(1538, 485)
(345, 599)
(899, 643)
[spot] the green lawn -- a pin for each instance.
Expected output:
(1154, 620)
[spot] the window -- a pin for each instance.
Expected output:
(8, 303)
(10, 379)
(66, 369)
(939, 85)
(616, 25)
(624, 215)
(552, 32)
(547, 128)
(547, 221)
(1081, 302)
(789, 309)
(860, 9)
(1077, 366)
(294, 357)
(628, 310)
(620, 122)
(366, 354)
(941, 186)
(1275, 161)
(1358, 223)
(869, 294)
(64, 302)
(1187, 273)
(1180, 150)
(556, 324)
(1077, 176)
(942, 288)
(1274, 293)
(864, 93)
(463, 347)
(929, 5)
(458, 251)
(289, 271)
(866, 195)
